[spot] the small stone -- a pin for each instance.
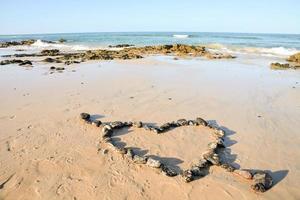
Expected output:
(262, 182)
(212, 157)
(243, 173)
(117, 125)
(228, 168)
(202, 163)
(128, 124)
(201, 121)
(165, 126)
(212, 145)
(97, 123)
(147, 127)
(182, 122)
(198, 171)
(121, 150)
(139, 159)
(155, 130)
(192, 123)
(60, 68)
(138, 124)
(130, 154)
(187, 176)
(151, 162)
(107, 131)
(52, 68)
(85, 116)
(219, 132)
(168, 171)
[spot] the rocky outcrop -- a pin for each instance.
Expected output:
(16, 61)
(294, 58)
(50, 52)
(120, 46)
(280, 66)
(16, 43)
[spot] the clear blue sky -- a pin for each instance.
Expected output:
(57, 16)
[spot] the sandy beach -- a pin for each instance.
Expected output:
(48, 152)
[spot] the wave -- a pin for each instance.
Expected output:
(272, 51)
(181, 36)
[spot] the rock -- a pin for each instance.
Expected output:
(69, 62)
(151, 162)
(211, 157)
(165, 127)
(201, 121)
(182, 122)
(139, 159)
(117, 125)
(243, 173)
(52, 60)
(187, 176)
(50, 52)
(198, 171)
(294, 58)
(192, 123)
(279, 66)
(213, 145)
(26, 62)
(168, 171)
(85, 116)
(52, 68)
(128, 124)
(16, 43)
(155, 130)
(120, 46)
(60, 68)
(219, 132)
(130, 154)
(8, 62)
(121, 150)
(202, 163)
(228, 167)
(107, 131)
(138, 124)
(97, 123)
(61, 40)
(262, 182)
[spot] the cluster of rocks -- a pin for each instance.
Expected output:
(294, 63)
(121, 46)
(22, 43)
(55, 56)
(262, 180)
(16, 61)
(16, 43)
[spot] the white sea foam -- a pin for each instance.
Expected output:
(181, 36)
(275, 51)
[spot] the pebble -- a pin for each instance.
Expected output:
(182, 122)
(138, 124)
(139, 159)
(151, 162)
(243, 173)
(85, 116)
(228, 167)
(97, 123)
(187, 176)
(201, 121)
(168, 171)
(130, 154)
(262, 182)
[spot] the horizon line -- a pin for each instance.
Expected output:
(57, 33)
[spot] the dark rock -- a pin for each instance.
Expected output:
(182, 122)
(16, 43)
(97, 123)
(187, 176)
(120, 46)
(61, 40)
(52, 68)
(50, 52)
(8, 62)
(130, 154)
(228, 167)
(201, 121)
(117, 125)
(52, 60)
(262, 182)
(198, 171)
(60, 68)
(26, 62)
(168, 171)
(85, 116)
(139, 159)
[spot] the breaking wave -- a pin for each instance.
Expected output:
(273, 51)
(181, 36)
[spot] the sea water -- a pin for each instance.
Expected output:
(263, 44)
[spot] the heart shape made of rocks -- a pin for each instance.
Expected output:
(262, 181)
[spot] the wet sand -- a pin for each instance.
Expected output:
(47, 152)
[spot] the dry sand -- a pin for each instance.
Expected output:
(46, 152)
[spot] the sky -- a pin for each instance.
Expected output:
(70, 16)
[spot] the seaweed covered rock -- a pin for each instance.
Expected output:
(16, 61)
(262, 182)
(16, 43)
(294, 58)
(50, 52)
(120, 46)
(279, 66)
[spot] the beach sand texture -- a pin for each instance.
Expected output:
(47, 152)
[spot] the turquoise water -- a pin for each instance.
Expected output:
(281, 44)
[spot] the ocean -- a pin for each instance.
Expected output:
(264, 44)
